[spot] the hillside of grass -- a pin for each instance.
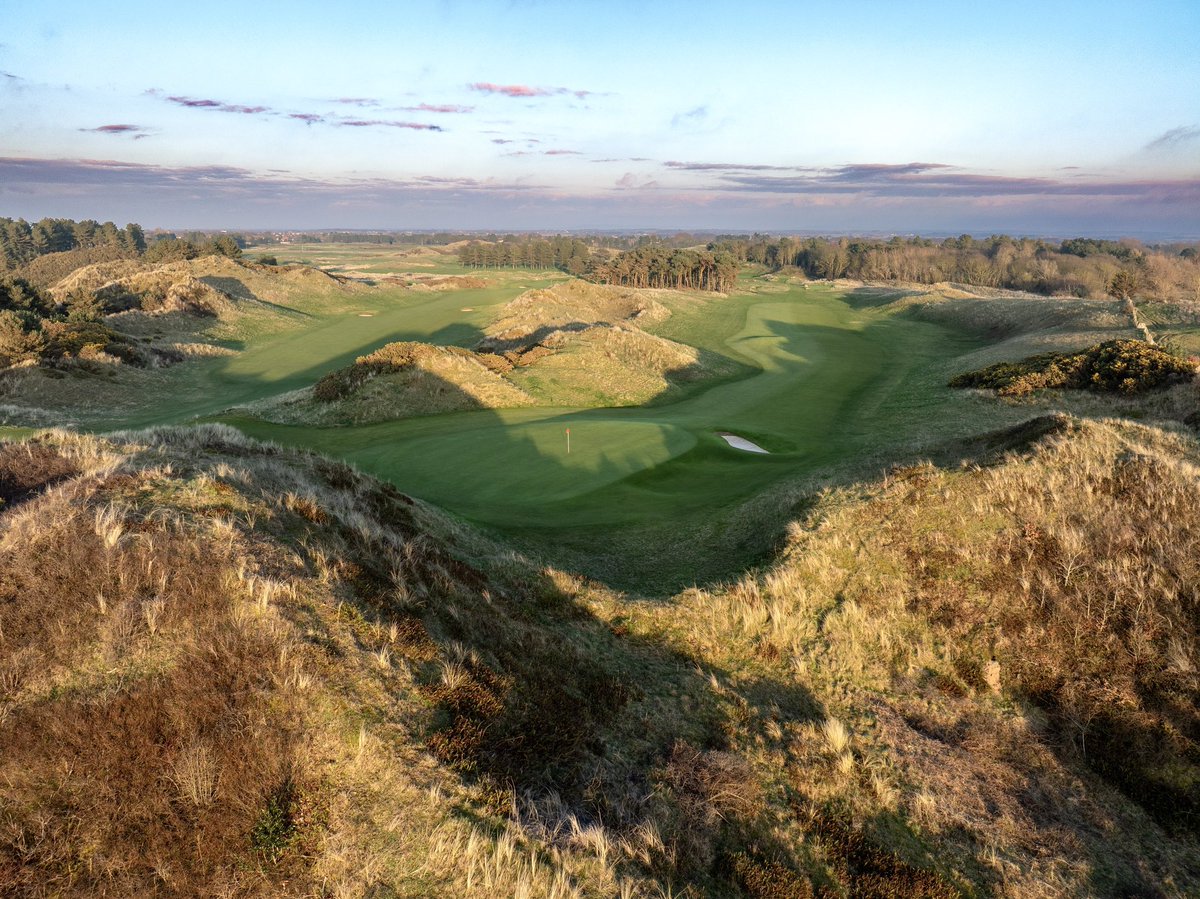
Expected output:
(233, 669)
(581, 344)
(571, 345)
(130, 320)
(399, 380)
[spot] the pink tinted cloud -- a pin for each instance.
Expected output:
(525, 90)
(438, 107)
(510, 90)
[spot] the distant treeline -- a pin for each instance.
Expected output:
(21, 242)
(660, 266)
(444, 238)
(650, 265)
(1077, 267)
(567, 254)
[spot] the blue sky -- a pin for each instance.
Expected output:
(1049, 118)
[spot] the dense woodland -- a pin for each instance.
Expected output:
(651, 265)
(658, 266)
(21, 243)
(1078, 267)
(569, 254)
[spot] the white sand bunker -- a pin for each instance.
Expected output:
(742, 443)
(467, 309)
(366, 315)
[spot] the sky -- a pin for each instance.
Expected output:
(1048, 118)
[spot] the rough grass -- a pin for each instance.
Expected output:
(229, 669)
(224, 673)
(572, 305)
(1012, 648)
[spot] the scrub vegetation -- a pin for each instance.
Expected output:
(1116, 366)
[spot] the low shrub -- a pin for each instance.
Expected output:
(1115, 366)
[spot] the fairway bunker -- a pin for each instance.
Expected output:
(366, 315)
(742, 443)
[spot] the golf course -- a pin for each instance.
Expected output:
(825, 384)
(614, 438)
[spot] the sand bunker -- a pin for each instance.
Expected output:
(366, 315)
(742, 443)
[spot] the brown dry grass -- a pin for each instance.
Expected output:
(1073, 567)
(229, 671)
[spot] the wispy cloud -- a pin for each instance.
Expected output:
(925, 180)
(695, 114)
(543, 152)
(137, 132)
(71, 175)
(386, 123)
(227, 196)
(880, 171)
(526, 90)
(308, 118)
(438, 108)
(218, 105)
(729, 167)
(1176, 137)
(629, 181)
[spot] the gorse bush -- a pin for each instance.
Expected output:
(1115, 366)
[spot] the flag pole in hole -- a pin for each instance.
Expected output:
(568, 441)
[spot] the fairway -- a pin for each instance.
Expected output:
(314, 343)
(829, 384)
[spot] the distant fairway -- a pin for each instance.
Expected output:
(269, 363)
(830, 385)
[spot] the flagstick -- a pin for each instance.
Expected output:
(568, 441)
